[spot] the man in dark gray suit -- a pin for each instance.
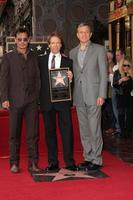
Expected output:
(90, 83)
(19, 82)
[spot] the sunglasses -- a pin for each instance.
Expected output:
(126, 65)
(22, 39)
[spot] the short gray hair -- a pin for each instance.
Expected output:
(88, 24)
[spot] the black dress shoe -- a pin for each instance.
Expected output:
(33, 168)
(52, 168)
(116, 134)
(92, 166)
(72, 168)
(83, 166)
(119, 135)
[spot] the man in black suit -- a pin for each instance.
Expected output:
(50, 109)
(19, 82)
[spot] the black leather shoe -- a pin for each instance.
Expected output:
(72, 168)
(34, 168)
(14, 169)
(83, 166)
(116, 134)
(52, 168)
(92, 166)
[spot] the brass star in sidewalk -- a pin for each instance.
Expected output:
(63, 174)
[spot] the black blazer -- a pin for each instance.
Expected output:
(125, 88)
(45, 103)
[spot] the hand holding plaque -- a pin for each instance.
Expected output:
(60, 89)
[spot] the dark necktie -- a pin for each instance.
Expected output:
(53, 62)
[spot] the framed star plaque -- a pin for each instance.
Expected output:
(60, 89)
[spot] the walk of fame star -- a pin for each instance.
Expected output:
(64, 174)
(59, 79)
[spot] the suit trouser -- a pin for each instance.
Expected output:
(90, 132)
(30, 114)
(65, 125)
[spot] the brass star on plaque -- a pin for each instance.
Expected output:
(59, 79)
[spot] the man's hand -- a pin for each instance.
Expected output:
(6, 105)
(70, 75)
(100, 101)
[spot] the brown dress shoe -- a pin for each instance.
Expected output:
(33, 168)
(14, 169)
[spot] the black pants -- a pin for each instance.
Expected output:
(108, 117)
(125, 117)
(30, 113)
(65, 126)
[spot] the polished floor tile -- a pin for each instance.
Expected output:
(121, 147)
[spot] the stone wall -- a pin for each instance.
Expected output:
(64, 15)
(57, 15)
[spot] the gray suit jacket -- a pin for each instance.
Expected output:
(90, 82)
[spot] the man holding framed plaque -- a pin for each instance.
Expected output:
(55, 97)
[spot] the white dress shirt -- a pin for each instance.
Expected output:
(57, 60)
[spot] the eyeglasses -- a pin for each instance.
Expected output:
(126, 65)
(22, 39)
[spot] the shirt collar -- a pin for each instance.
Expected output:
(57, 54)
(87, 45)
(21, 53)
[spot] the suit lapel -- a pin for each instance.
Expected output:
(47, 58)
(88, 54)
(76, 56)
(44, 64)
(62, 64)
